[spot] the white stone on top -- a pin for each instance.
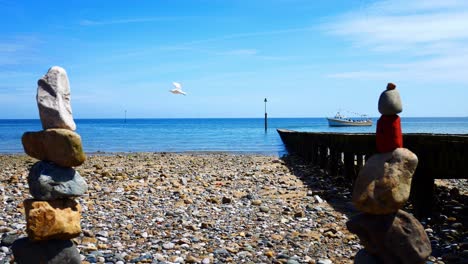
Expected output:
(53, 100)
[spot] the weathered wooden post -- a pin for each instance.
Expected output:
(422, 193)
(323, 156)
(315, 153)
(349, 171)
(333, 162)
(359, 161)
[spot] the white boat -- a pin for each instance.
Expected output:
(341, 120)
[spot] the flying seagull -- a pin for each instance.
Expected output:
(177, 89)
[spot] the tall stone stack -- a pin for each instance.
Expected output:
(389, 234)
(52, 216)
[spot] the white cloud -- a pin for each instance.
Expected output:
(90, 22)
(404, 6)
(369, 75)
(251, 34)
(403, 31)
(18, 50)
(431, 34)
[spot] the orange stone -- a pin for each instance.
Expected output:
(55, 219)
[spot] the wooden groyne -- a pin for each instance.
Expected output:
(441, 156)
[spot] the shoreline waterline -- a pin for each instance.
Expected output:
(243, 135)
(188, 153)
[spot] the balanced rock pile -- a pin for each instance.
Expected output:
(53, 216)
(389, 234)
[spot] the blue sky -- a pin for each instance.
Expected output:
(309, 58)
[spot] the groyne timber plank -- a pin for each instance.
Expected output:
(442, 156)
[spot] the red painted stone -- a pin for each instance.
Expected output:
(389, 136)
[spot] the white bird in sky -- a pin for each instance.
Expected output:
(177, 89)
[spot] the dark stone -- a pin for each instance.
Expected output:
(394, 238)
(221, 252)
(363, 257)
(47, 252)
(48, 181)
(8, 239)
(226, 200)
(91, 259)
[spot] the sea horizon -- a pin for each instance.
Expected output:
(260, 117)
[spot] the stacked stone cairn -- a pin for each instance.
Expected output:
(389, 234)
(52, 216)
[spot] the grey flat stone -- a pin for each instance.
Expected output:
(48, 181)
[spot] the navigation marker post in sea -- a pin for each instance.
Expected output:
(266, 116)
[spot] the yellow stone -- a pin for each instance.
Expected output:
(61, 146)
(56, 219)
(192, 259)
(277, 237)
(89, 240)
(103, 246)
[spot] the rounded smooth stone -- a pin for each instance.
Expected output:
(53, 100)
(390, 102)
(47, 252)
(292, 261)
(61, 146)
(8, 239)
(48, 181)
(384, 183)
(363, 257)
(324, 261)
(394, 238)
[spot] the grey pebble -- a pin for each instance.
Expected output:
(9, 239)
(292, 261)
(5, 249)
(324, 261)
(168, 245)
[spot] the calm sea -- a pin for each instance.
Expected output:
(210, 134)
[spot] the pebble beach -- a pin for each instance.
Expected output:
(218, 208)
